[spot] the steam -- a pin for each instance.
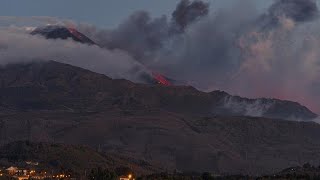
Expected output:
(317, 120)
(245, 52)
(256, 108)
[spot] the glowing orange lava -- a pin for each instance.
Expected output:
(75, 33)
(161, 79)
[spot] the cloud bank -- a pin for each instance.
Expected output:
(16, 47)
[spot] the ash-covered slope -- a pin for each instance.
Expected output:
(56, 86)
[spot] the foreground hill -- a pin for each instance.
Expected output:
(53, 156)
(56, 86)
(76, 158)
(172, 141)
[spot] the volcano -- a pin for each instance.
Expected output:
(62, 32)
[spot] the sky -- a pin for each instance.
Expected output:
(103, 13)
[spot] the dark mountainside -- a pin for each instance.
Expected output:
(171, 128)
(56, 86)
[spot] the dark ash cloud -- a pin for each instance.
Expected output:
(297, 10)
(143, 36)
(188, 12)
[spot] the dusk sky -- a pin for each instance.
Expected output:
(104, 13)
(143, 89)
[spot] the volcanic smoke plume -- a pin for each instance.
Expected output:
(297, 10)
(245, 52)
(188, 12)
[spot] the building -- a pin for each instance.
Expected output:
(129, 177)
(32, 163)
(12, 170)
(21, 177)
(124, 178)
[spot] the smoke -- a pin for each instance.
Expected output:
(297, 10)
(245, 52)
(188, 12)
(142, 36)
(256, 108)
(317, 120)
(281, 63)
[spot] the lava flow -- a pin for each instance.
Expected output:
(80, 36)
(161, 79)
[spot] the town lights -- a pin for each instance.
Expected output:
(129, 176)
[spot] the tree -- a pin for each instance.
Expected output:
(120, 171)
(307, 166)
(100, 174)
(206, 176)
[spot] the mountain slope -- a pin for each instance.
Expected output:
(56, 86)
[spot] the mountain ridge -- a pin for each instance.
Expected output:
(46, 85)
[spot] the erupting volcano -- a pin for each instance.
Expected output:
(61, 32)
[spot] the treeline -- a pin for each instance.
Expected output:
(307, 171)
(106, 174)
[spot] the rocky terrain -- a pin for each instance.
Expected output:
(163, 128)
